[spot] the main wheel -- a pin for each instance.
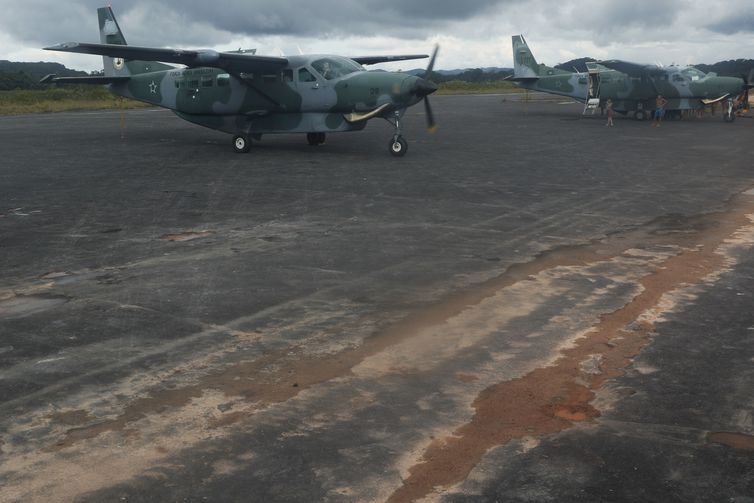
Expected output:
(241, 144)
(398, 147)
(316, 138)
(639, 115)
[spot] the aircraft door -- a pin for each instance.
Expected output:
(313, 90)
(592, 92)
(593, 88)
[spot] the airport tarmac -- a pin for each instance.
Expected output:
(528, 307)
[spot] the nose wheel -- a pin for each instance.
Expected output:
(398, 146)
(241, 144)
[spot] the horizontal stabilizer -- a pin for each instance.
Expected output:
(54, 79)
(358, 117)
(373, 60)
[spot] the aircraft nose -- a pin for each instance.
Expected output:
(423, 87)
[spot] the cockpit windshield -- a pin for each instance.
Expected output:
(334, 67)
(692, 73)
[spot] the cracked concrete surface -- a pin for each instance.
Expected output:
(331, 324)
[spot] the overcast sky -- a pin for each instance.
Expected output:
(471, 33)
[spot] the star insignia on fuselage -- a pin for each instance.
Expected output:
(153, 87)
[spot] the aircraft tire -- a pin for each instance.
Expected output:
(241, 144)
(315, 139)
(398, 147)
(639, 115)
(729, 117)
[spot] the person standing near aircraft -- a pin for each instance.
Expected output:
(660, 103)
(610, 112)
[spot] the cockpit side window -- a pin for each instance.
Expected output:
(334, 68)
(693, 74)
(305, 75)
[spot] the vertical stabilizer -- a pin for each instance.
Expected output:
(109, 33)
(524, 64)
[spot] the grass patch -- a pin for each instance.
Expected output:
(62, 99)
(463, 87)
(81, 97)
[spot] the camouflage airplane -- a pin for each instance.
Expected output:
(631, 87)
(248, 95)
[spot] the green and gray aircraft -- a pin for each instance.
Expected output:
(248, 95)
(632, 87)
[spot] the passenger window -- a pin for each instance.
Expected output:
(305, 75)
(269, 78)
(193, 84)
(678, 78)
(207, 82)
(287, 75)
(223, 80)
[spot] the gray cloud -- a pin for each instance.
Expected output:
(204, 22)
(742, 22)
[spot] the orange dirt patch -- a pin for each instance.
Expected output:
(551, 399)
(735, 440)
(186, 236)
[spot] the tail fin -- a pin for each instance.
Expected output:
(524, 64)
(109, 33)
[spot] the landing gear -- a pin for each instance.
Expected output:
(397, 146)
(316, 138)
(241, 144)
(729, 114)
(640, 115)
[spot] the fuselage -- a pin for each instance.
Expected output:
(684, 87)
(312, 93)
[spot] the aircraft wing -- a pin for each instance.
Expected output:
(632, 69)
(231, 61)
(373, 60)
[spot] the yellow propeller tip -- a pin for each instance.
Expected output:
(432, 130)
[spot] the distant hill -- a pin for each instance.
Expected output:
(15, 75)
(730, 68)
(490, 73)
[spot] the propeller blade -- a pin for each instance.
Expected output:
(431, 125)
(431, 65)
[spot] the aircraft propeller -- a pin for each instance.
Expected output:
(424, 87)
